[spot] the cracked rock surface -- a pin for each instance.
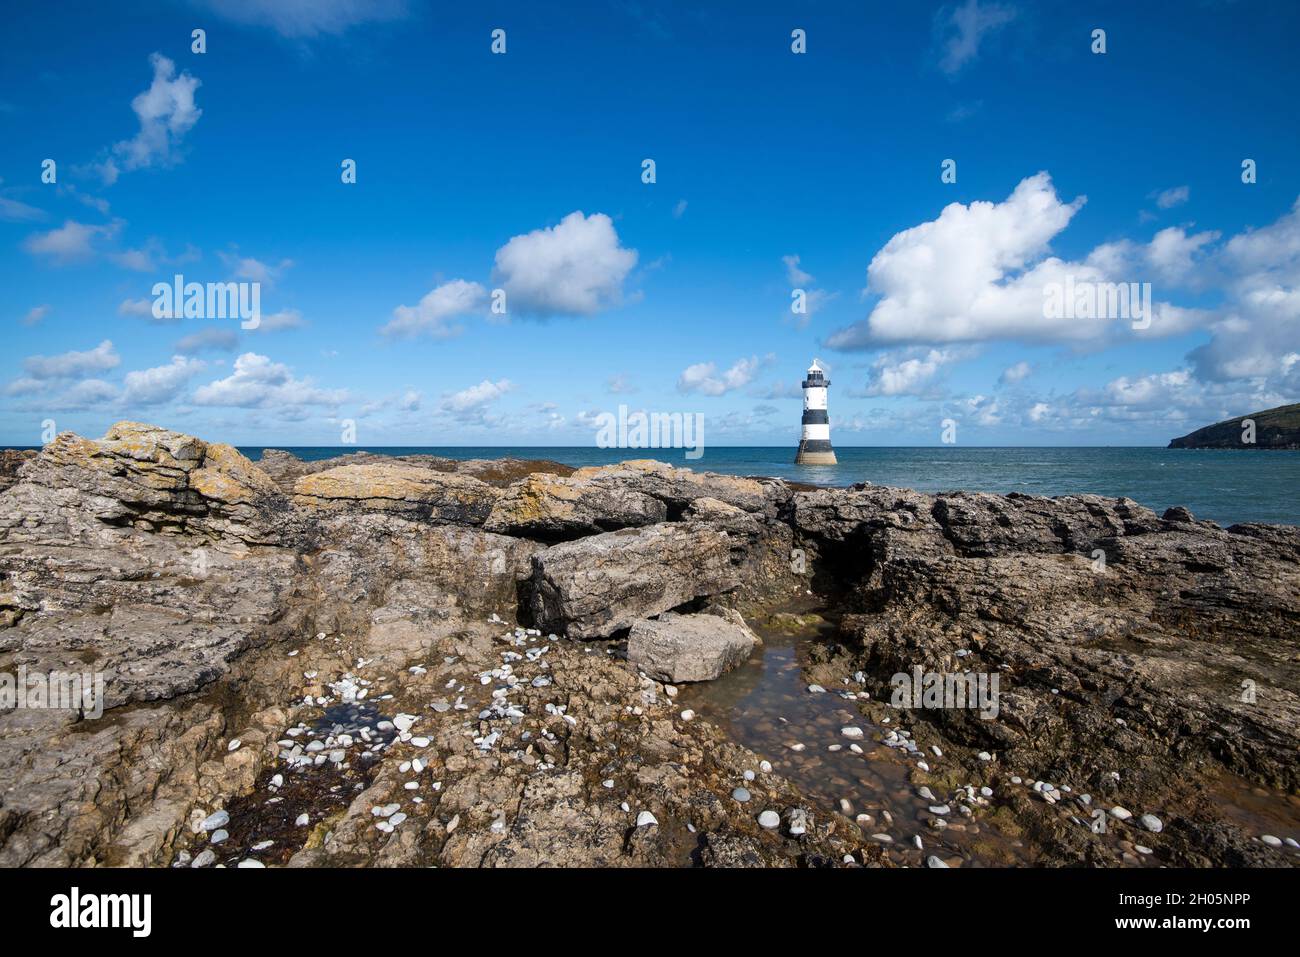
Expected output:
(418, 661)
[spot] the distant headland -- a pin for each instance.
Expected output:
(1277, 428)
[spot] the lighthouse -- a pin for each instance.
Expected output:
(815, 446)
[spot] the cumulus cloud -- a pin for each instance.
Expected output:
(703, 377)
(435, 314)
(161, 383)
(813, 298)
(1174, 196)
(981, 272)
(304, 19)
(1258, 328)
(1015, 373)
(71, 242)
(910, 372)
(36, 314)
(14, 211)
(476, 396)
(254, 270)
(965, 28)
(73, 365)
(257, 382)
(280, 321)
(1177, 255)
(211, 339)
(574, 268)
(166, 111)
(793, 273)
(62, 396)
(143, 309)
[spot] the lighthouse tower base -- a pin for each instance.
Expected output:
(815, 452)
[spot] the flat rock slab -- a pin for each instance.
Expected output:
(602, 584)
(690, 647)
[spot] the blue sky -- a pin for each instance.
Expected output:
(523, 172)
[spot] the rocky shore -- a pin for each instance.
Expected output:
(420, 661)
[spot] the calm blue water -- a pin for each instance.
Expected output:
(1222, 485)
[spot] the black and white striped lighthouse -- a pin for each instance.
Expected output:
(815, 446)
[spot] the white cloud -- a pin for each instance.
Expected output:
(982, 272)
(951, 279)
(73, 365)
(1258, 326)
(1015, 373)
(142, 309)
(68, 243)
(436, 312)
(1174, 196)
(793, 273)
(36, 314)
(910, 372)
(257, 382)
(476, 396)
(981, 410)
(619, 385)
(166, 112)
(162, 383)
(680, 209)
(966, 27)
(703, 377)
(13, 211)
(1176, 255)
(139, 260)
(280, 321)
(574, 268)
(411, 401)
(254, 270)
(213, 339)
(813, 298)
(300, 19)
(1157, 391)
(78, 397)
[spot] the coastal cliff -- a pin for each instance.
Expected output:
(1277, 428)
(417, 661)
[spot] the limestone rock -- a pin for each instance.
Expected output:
(602, 584)
(11, 460)
(680, 648)
(389, 487)
(552, 507)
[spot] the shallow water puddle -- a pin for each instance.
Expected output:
(765, 705)
(1260, 811)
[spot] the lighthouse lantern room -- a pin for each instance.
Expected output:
(815, 446)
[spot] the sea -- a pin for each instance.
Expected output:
(1223, 485)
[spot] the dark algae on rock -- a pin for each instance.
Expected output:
(417, 661)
